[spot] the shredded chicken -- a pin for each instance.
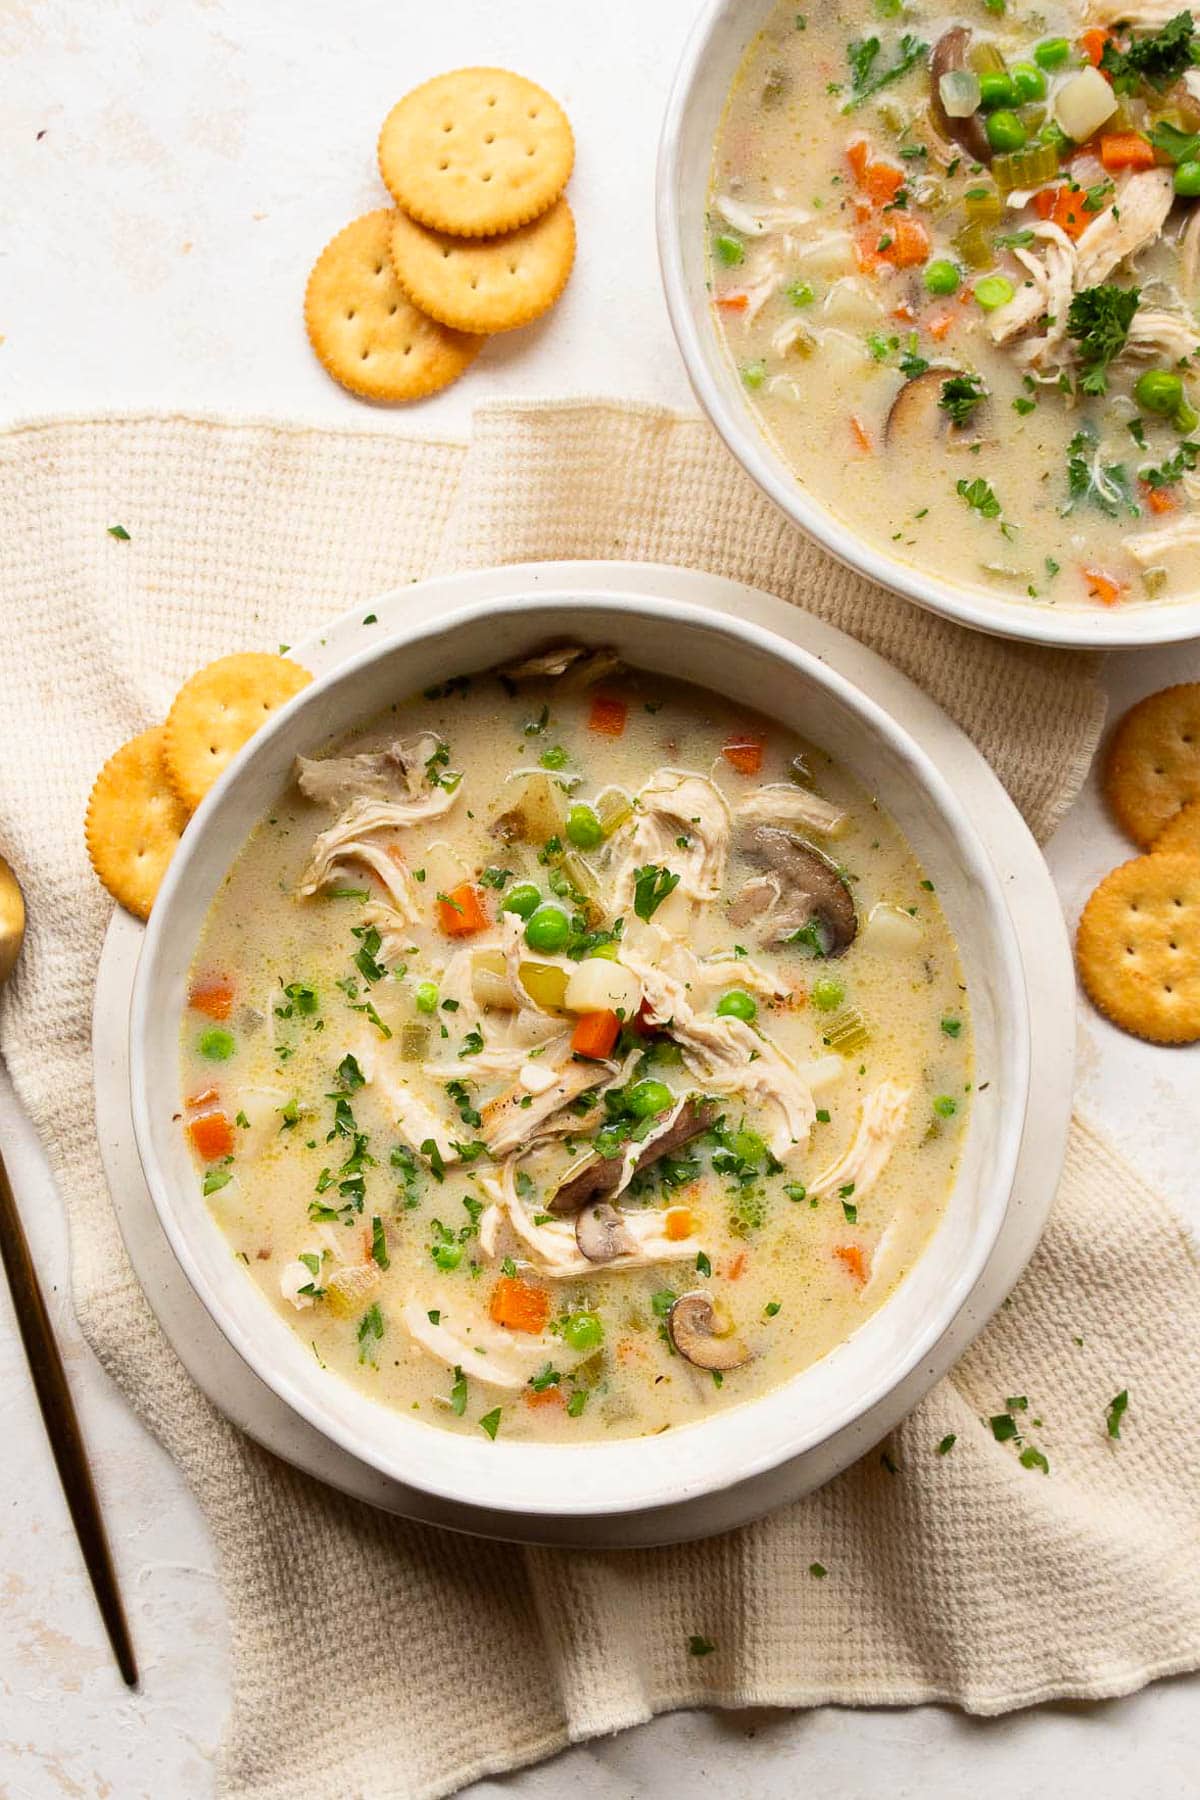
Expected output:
(1189, 257)
(553, 1246)
(1049, 295)
(1163, 333)
(681, 820)
(292, 1277)
(360, 835)
(1150, 547)
(416, 1122)
(783, 803)
(762, 221)
(506, 1059)
(726, 1054)
(372, 774)
(862, 1163)
(1134, 219)
(1142, 15)
(484, 1352)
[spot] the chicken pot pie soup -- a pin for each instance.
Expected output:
(965, 255)
(571, 1054)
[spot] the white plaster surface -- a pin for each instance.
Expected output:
(153, 248)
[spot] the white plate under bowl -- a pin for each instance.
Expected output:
(710, 63)
(759, 1485)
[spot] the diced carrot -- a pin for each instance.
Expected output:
(858, 155)
(519, 1305)
(547, 1396)
(904, 311)
(733, 302)
(900, 243)
(213, 997)
(679, 1223)
(1102, 587)
(939, 325)
(862, 436)
(737, 1267)
(1063, 205)
(852, 1256)
(461, 912)
(595, 1034)
(745, 754)
(211, 1135)
(1092, 44)
(1126, 150)
(862, 208)
(607, 715)
(1160, 499)
(202, 1101)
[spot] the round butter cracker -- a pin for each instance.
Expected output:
(134, 821)
(1181, 833)
(1153, 764)
(364, 329)
(476, 152)
(1138, 947)
(218, 710)
(485, 284)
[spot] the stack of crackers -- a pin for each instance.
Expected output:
(481, 239)
(145, 794)
(1138, 946)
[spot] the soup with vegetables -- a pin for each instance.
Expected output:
(962, 252)
(571, 1054)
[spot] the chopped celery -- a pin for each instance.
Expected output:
(985, 59)
(848, 1032)
(1027, 168)
(982, 206)
(414, 1041)
(974, 246)
(1154, 582)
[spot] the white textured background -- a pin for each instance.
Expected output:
(169, 173)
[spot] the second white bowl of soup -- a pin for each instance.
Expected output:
(936, 283)
(569, 1085)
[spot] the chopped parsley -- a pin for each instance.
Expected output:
(700, 1646)
(960, 395)
(1105, 485)
(980, 495)
(947, 1444)
(867, 77)
(490, 1423)
(1158, 59)
(651, 887)
(1116, 1412)
(1099, 321)
(1174, 468)
(370, 1335)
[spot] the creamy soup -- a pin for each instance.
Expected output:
(573, 1054)
(957, 264)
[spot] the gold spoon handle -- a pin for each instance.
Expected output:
(62, 1426)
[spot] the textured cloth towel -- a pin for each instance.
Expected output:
(961, 1576)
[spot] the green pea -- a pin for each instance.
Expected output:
(1029, 82)
(942, 277)
(996, 88)
(548, 929)
(645, 1098)
(737, 1004)
(523, 899)
(1005, 131)
(730, 250)
(609, 951)
(800, 293)
(447, 1256)
(1186, 419)
(945, 1106)
(828, 993)
(994, 291)
(1159, 391)
(1187, 179)
(749, 1146)
(582, 1331)
(584, 828)
(216, 1044)
(1052, 53)
(426, 996)
(754, 373)
(1053, 134)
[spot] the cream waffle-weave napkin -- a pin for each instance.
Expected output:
(963, 1576)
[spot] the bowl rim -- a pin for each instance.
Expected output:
(669, 1488)
(1146, 623)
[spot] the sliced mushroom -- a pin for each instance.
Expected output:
(584, 666)
(917, 417)
(692, 1323)
(950, 52)
(803, 887)
(601, 1234)
(599, 1177)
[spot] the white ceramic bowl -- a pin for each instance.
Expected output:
(710, 62)
(543, 1489)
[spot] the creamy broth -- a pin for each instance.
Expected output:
(480, 960)
(974, 337)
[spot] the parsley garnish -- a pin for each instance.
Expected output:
(1116, 1411)
(1174, 468)
(700, 1646)
(1105, 485)
(651, 886)
(490, 1423)
(1159, 59)
(866, 79)
(1099, 321)
(960, 395)
(980, 495)
(370, 1335)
